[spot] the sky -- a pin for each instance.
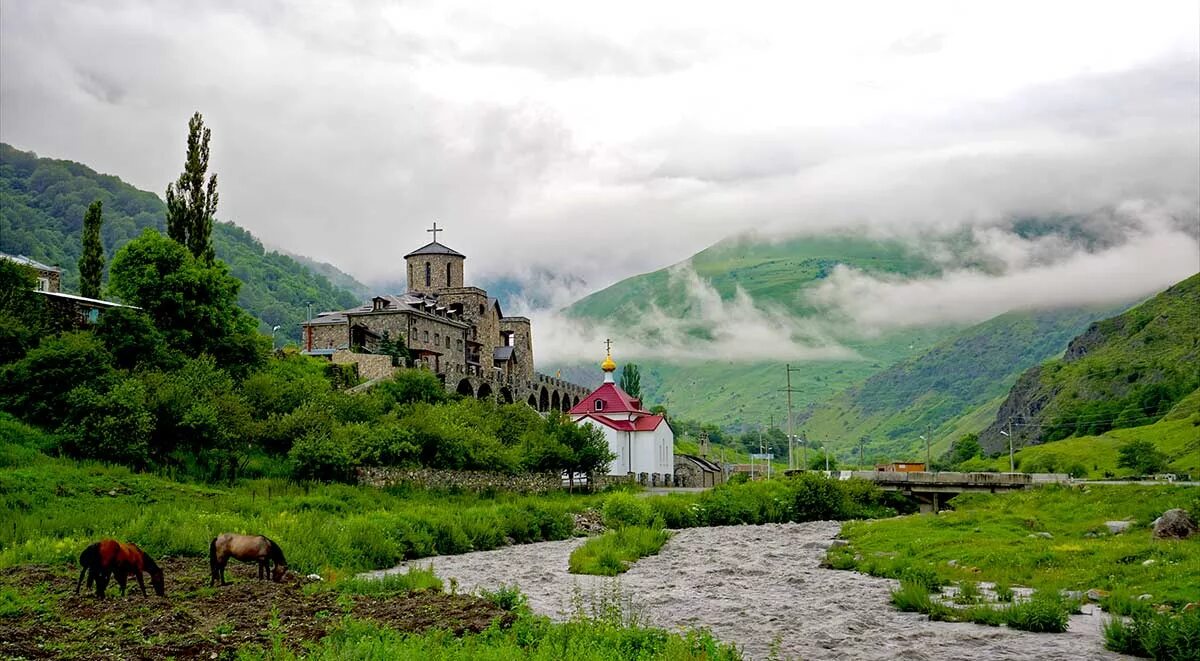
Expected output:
(599, 141)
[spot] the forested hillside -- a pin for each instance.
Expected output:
(1126, 371)
(731, 391)
(42, 204)
(927, 394)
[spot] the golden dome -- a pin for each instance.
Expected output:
(608, 365)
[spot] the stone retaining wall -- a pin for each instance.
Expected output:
(431, 478)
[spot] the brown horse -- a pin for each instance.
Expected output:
(108, 558)
(247, 548)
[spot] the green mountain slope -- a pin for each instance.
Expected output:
(42, 202)
(1177, 436)
(1126, 371)
(774, 274)
(929, 393)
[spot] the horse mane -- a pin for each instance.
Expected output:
(149, 563)
(275, 553)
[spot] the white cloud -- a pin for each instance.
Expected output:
(1044, 272)
(602, 142)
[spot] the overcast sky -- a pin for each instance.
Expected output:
(606, 139)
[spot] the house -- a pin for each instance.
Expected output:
(693, 471)
(49, 278)
(643, 442)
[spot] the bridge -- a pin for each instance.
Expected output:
(929, 488)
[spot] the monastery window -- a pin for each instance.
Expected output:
(428, 274)
(437, 339)
(481, 309)
(460, 345)
(447, 341)
(599, 404)
(426, 336)
(447, 274)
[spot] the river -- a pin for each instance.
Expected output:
(760, 587)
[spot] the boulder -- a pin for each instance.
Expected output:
(1174, 524)
(838, 543)
(1097, 595)
(1118, 527)
(1043, 535)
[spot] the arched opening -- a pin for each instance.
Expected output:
(566, 403)
(428, 274)
(574, 402)
(485, 391)
(506, 395)
(554, 403)
(532, 402)
(464, 388)
(544, 400)
(447, 274)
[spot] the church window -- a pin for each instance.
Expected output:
(426, 336)
(437, 339)
(599, 404)
(428, 274)
(447, 274)
(447, 341)
(460, 345)
(481, 309)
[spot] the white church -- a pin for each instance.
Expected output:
(642, 442)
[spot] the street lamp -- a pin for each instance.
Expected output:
(928, 460)
(1012, 467)
(273, 331)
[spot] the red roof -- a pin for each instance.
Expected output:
(615, 401)
(641, 423)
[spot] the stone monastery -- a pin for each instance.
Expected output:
(458, 332)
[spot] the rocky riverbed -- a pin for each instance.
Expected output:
(761, 587)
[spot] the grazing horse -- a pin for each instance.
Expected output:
(108, 558)
(247, 548)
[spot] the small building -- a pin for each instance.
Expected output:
(901, 467)
(693, 471)
(643, 442)
(49, 278)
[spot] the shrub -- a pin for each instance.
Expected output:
(623, 509)
(916, 598)
(321, 457)
(1156, 635)
(1044, 612)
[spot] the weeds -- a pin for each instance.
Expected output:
(616, 550)
(1156, 635)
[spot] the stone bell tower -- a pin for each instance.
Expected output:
(434, 267)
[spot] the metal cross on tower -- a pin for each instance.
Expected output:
(607, 346)
(435, 230)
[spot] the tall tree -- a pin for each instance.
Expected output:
(631, 380)
(190, 203)
(91, 261)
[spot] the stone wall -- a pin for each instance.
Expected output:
(523, 341)
(437, 273)
(475, 481)
(370, 366)
(420, 331)
(329, 336)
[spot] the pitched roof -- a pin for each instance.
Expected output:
(33, 263)
(502, 353)
(435, 248)
(615, 401)
(640, 423)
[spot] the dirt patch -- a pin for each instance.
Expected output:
(46, 619)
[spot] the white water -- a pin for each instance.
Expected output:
(752, 585)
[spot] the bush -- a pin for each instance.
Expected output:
(1044, 612)
(623, 509)
(1156, 635)
(320, 457)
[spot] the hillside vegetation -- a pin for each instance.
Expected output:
(929, 393)
(775, 275)
(42, 204)
(1125, 371)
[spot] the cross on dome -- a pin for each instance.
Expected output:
(435, 230)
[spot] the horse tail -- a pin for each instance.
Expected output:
(212, 555)
(274, 552)
(89, 561)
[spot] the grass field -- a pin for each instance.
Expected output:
(996, 538)
(615, 551)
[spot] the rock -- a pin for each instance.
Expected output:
(1089, 535)
(1074, 595)
(952, 563)
(1147, 563)
(1043, 535)
(1145, 597)
(1191, 607)
(838, 543)
(1097, 595)
(313, 577)
(1174, 524)
(1118, 527)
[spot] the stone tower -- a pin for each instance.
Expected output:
(434, 267)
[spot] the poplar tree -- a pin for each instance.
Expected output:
(91, 261)
(631, 380)
(190, 203)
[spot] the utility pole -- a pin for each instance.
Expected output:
(791, 438)
(928, 461)
(804, 449)
(862, 445)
